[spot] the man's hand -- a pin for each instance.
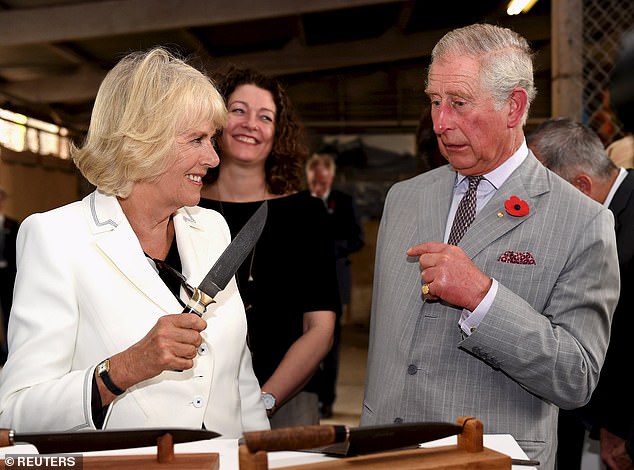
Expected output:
(450, 275)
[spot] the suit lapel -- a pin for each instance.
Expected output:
(528, 182)
(117, 241)
(622, 198)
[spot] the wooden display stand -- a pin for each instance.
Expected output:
(469, 453)
(165, 459)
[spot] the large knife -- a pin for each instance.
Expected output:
(342, 441)
(226, 266)
(87, 441)
(349, 441)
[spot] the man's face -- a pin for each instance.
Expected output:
(320, 180)
(472, 133)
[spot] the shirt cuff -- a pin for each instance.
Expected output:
(469, 321)
(98, 410)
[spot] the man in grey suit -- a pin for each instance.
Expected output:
(512, 320)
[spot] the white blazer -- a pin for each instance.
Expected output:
(85, 291)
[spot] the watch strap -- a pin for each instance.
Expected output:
(103, 370)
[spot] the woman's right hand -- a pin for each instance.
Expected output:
(172, 344)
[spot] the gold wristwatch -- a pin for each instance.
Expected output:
(103, 370)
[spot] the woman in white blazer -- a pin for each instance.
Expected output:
(89, 289)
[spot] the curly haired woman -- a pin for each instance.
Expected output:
(288, 283)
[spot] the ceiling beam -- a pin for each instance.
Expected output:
(72, 88)
(390, 47)
(89, 20)
(293, 59)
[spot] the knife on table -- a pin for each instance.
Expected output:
(345, 441)
(226, 266)
(87, 441)
(342, 441)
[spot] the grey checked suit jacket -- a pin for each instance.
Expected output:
(541, 345)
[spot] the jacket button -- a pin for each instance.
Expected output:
(412, 369)
(198, 402)
(398, 420)
(203, 349)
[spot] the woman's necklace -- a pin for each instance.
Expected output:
(250, 277)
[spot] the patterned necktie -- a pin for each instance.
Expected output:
(466, 211)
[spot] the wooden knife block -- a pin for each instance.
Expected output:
(469, 453)
(164, 460)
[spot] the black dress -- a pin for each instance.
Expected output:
(291, 271)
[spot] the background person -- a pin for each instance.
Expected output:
(514, 318)
(8, 234)
(618, 454)
(621, 151)
(575, 152)
(96, 337)
(348, 238)
(288, 282)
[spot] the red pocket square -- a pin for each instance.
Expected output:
(515, 257)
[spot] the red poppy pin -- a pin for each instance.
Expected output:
(516, 206)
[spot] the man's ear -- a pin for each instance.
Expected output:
(518, 101)
(583, 183)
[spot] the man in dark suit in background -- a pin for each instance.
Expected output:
(8, 234)
(576, 153)
(348, 238)
(620, 454)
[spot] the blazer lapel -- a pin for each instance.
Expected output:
(193, 246)
(528, 182)
(117, 241)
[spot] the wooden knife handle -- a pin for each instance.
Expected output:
(6, 437)
(294, 438)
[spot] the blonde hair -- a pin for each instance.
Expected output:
(143, 103)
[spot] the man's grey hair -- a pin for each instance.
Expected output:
(568, 147)
(506, 59)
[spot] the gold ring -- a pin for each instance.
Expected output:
(425, 289)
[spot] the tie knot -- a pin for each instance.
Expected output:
(466, 211)
(474, 181)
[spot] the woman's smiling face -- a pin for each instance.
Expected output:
(250, 131)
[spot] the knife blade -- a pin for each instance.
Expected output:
(356, 441)
(87, 441)
(226, 266)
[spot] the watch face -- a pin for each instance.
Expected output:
(103, 367)
(269, 400)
